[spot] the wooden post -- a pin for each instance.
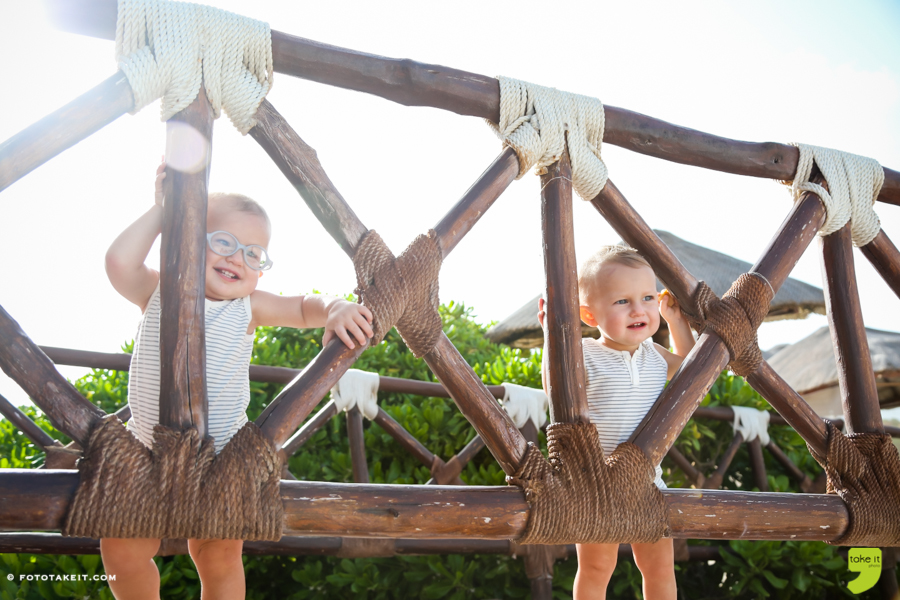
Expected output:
(714, 481)
(309, 429)
(681, 461)
(793, 470)
(28, 427)
(562, 345)
(357, 446)
(856, 377)
(885, 257)
(25, 364)
(182, 337)
(60, 130)
(404, 438)
(758, 464)
(450, 470)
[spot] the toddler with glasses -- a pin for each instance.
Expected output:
(236, 257)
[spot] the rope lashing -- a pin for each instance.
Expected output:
(751, 424)
(357, 388)
(401, 291)
(168, 49)
(524, 403)
(579, 496)
(864, 470)
(540, 122)
(735, 318)
(180, 490)
(853, 186)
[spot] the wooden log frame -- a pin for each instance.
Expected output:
(28, 427)
(357, 446)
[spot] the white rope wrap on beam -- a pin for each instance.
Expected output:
(751, 423)
(534, 121)
(854, 183)
(168, 49)
(524, 403)
(357, 388)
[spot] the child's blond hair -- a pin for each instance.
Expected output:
(239, 203)
(618, 254)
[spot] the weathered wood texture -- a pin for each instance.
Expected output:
(562, 345)
(682, 462)
(357, 446)
(60, 130)
(758, 465)
(291, 407)
(477, 199)
(25, 364)
(714, 481)
(416, 448)
(885, 257)
(26, 425)
(309, 429)
(859, 396)
(793, 470)
(182, 275)
(447, 473)
(417, 84)
(36, 501)
(477, 404)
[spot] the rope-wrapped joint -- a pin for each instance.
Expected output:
(180, 489)
(401, 291)
(581, 497)
(864, 470)
(735, 318)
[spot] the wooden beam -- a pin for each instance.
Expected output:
(60, 130)
(885, 257)
(404, 438)
(793, 470)
(856, 377)
(24, 363)
(412, 83)
(357, 446)
(309, 429)
(562, 345)
(182, 274)
(450, 471)
(681, 461)
(28, 427)
(714, 481)
(758, 465)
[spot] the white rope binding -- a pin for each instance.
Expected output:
(751, 423)
(854, 181)
(524, 403)
(167, 49)
(534, 121)
(357, 388)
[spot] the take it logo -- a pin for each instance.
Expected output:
(867, 561)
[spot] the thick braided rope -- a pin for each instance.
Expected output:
(535, 121)
(735, 318)
(578, 496)
(864, 470)
(402, 291)
(180, 489)
(854, 183)
(168, 49)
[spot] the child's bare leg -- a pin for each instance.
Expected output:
(657, 564)
(220, 568)
(596, 563)
(131, 562)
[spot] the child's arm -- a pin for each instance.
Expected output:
(679, 330)
(125, 258)
(346, 320)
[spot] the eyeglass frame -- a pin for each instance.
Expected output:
(240, 247)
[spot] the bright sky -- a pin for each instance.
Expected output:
(825, 73)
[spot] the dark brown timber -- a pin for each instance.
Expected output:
(412, 83)
(477, 199)
(357, 446)
(37, 500)
(714, 481)
(562, 345)
(859, 396)
(449, 471)
(182, 336)
(300, 397)
(665, 420)
(885, 257)
(793, 470)
(60, 130)
(309, 429)
(477, 404)
(682, 462)
(25, 364)
(26, 425)
(758, 464)
(404, 438)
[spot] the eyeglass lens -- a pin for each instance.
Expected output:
(225, 244)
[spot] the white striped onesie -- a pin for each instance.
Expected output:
(228, 351)
(621, 388)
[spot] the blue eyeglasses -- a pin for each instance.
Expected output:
(225, 244)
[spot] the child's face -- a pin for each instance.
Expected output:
(623, 305)
(228, 277)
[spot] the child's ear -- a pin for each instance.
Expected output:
(260, 273)
(587, 316)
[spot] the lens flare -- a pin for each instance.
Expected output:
(187, 150)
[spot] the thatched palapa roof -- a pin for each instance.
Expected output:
(795, 299)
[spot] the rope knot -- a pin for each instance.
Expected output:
(540, 122)
(735, 318)
(401, 291)
(578, 496)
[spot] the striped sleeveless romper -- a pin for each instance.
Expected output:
(621, 388)
(228, 351)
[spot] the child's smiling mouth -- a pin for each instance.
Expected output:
(637, 325)
(226, 274)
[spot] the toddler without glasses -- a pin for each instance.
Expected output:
(236, 257)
